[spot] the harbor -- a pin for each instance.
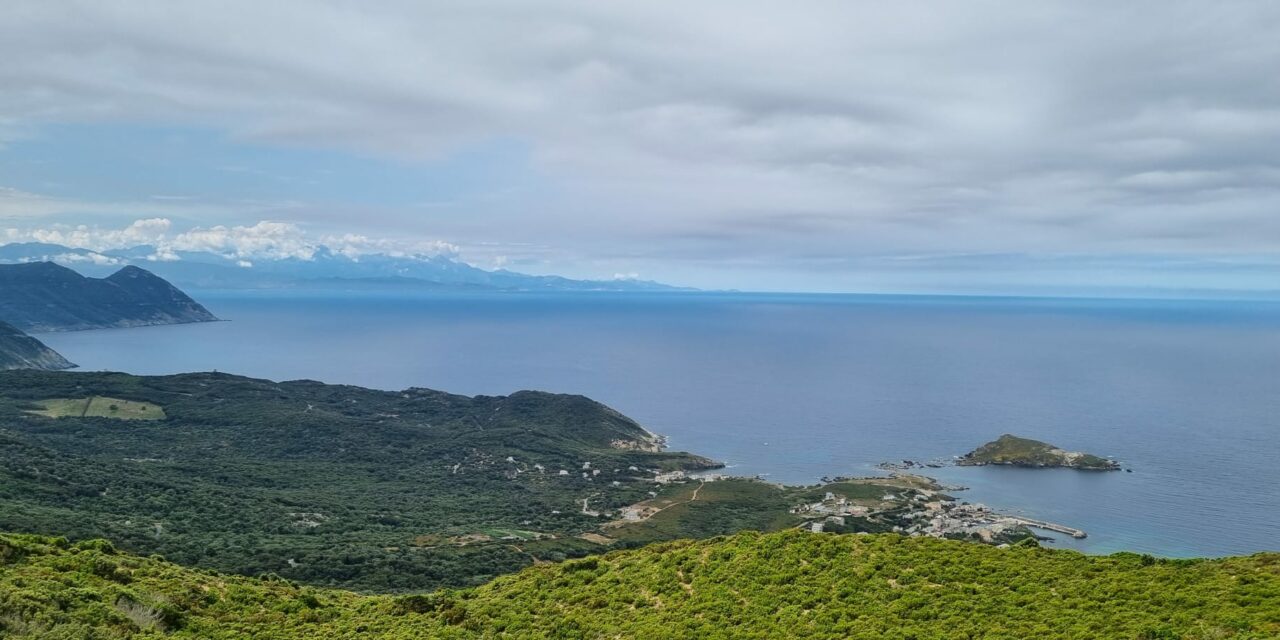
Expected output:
(1050, 526)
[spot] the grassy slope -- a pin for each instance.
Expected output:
(98, 407)
(724, 506)
(746, 586)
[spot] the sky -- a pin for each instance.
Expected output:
(932, 146)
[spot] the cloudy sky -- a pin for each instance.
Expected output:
(845, 146)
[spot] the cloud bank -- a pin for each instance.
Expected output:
(265, 240)
(762, 133)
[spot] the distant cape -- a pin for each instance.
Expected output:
(43, 296)
(20, 351)
(322, 269)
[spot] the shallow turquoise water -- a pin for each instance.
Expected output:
(1187, 394)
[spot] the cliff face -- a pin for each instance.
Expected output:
(20, 351)
(43, 296)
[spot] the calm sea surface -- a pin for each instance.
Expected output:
(1187, 394)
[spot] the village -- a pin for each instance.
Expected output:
(921, 511)
(901, 503)
(904, 503)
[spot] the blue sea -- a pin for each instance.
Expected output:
(796, 387)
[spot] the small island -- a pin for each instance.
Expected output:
(1024, 452)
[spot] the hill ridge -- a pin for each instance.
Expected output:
(20, 351)
(44, 296)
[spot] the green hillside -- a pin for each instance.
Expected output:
(325, 484)
(784, 585)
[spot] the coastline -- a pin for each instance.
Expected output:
(1167, 507)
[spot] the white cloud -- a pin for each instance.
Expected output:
(353, 245)
(164, 254)
(140, 232)
(94, 258)
(264, 240)
(271, 240)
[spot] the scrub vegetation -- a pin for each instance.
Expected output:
(325, 484)
(782, 585)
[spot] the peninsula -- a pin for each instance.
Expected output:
(1024, 452)
(43, 296)
(395, 490)
(20, 351)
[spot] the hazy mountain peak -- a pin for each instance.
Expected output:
(323, 268)
(43, 270)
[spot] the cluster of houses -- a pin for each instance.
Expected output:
(831, 510)
(587, 472)
(940, 519)
(832, 505)
(925, 514)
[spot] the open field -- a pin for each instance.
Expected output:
(99, 407)
(707, 509)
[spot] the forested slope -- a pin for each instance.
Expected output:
(326, 484)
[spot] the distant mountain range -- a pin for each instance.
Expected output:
(20, 351)
(42, 296)
(325, 269)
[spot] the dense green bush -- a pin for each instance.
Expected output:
(325, 484)
(784, 585)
